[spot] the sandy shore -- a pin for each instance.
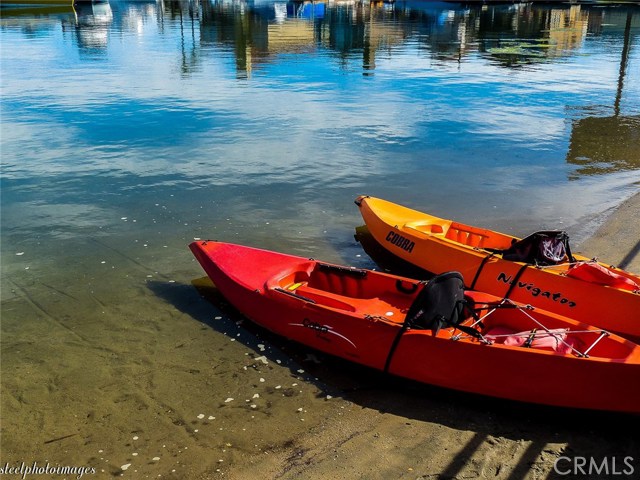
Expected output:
(157, 383)
(617, 241)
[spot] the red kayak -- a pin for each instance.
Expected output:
(435, 332)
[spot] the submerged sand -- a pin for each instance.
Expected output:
(147, 392)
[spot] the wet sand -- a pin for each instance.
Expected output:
(160, 383)
(617, 241)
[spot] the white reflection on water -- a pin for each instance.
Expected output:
(427, 97)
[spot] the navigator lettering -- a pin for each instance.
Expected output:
(537, 292)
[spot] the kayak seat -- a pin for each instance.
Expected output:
(594, 272)
(341, 290)
(325, 298)
(426, 227)
(337, 283)
(439, 304)
(466, 236)
(555, 340)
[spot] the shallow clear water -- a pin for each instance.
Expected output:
(131, 128)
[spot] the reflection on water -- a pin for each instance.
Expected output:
(129, 128)
(92, 21)
(511, 35)
(308, 98)
(316, 94)
(601, 143)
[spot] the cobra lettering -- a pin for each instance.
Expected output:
(400, 241)
(537, 292)
(315, 326)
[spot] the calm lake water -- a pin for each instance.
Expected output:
(130, 128)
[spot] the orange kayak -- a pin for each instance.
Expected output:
(507, 266)
(436, 332)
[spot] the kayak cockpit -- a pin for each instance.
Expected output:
(514, 325)
(460, 233)
(348, 289)
(480, 318)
